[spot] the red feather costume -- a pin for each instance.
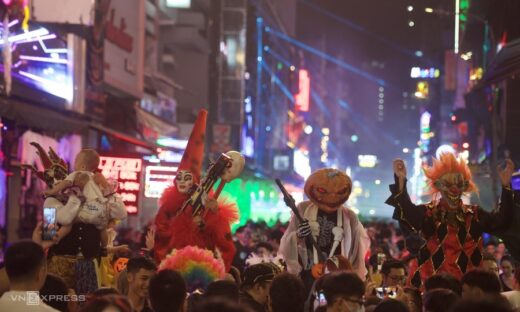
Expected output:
(176, 230)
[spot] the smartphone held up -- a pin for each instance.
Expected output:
(49, 226)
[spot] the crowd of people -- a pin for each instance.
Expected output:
(258, 281)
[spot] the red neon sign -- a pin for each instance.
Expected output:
(302, 98)
(127, 171)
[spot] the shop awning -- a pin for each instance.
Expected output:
(125, 137)
(506, 63)
(40, 117)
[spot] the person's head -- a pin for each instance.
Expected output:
(394, 273)
(55, 286)
(517, 279)
(103, 291)
(343, 291)
(287, 293)
(167, 291)
(444, 281)
(26, 266)
(507, 265)
(86, 160)
(218, 304)
(413, 299)
(439, 300)
(258, 279)
(184, 181)
(263, 249)
(391, 305)
(139, 272)
(489, 263)
(486, 303)
(501, 248)
(109, 303)
(223, 288)
(479, 282)
(491, 247)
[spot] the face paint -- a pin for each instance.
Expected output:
(451, 186)
(184, 181)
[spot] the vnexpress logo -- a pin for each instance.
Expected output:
(32, 298)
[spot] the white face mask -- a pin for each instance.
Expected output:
(184, 181)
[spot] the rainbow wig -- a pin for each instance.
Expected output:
(198, 267)
(447, 163)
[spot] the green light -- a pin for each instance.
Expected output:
(279, 66)
(354, 138)
(257, 200)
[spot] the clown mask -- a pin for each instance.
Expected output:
(452, 185)
(184, 181)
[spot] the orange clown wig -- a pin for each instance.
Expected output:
(448, 163)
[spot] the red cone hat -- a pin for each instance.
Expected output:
(194, 154)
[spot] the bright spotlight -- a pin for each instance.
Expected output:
(410, 8)
(308, 129)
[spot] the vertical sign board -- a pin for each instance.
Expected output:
(157, 179)
(127, 171)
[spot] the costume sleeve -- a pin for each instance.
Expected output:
(409, 215)
(360, 246)
(500, 220)
(162, 233)
(289, 246)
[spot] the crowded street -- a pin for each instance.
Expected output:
(259, 156)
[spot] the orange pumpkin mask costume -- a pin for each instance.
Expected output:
(336, 228)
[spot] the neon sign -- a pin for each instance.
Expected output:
(127, 171)
(157, 179)
(302, 98)
(40, 59)
(417, 72)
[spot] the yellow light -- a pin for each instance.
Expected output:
(428, 10)
(325, 131)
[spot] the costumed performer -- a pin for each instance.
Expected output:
(177, 228)
(452, 230)
(337, 230)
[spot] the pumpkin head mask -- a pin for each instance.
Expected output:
(328, 188)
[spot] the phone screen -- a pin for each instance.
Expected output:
(386, 292)
(49, 223)
(321, 299)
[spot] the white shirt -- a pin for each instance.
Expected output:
(22, 301)
(514, 298)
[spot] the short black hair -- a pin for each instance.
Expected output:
(265, 245)
(495, 303)
(223, 288)
(287, 293)
(508, 258)
(485, 280)
(391, 305)
(486, 256)
(439, 300)
(338, 284)
(137, 263)
(167, 291)
(392, 264)
(445, 281)
(217, 304)
(54, 285)
(23, 260)
(121, 303)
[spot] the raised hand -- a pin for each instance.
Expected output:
(400, 171)
(506, 173)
